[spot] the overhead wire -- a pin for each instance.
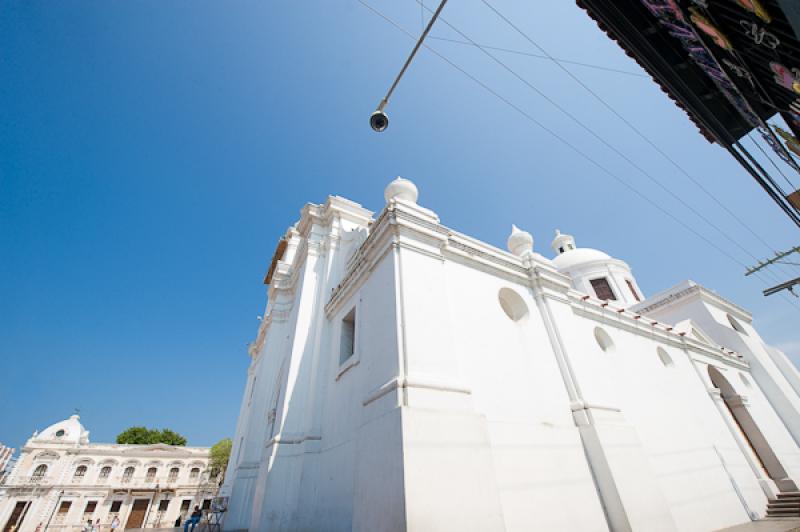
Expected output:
(644, 137)
(540, 56)
(766, 156)
(558, 137)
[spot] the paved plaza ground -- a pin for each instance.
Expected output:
(767, 525)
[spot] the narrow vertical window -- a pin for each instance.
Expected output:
(347, 345)
(252, 389)
(633, 290)
(603, 289)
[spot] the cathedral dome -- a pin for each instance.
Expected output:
(595, 272)
(66, 431)
(578, 257)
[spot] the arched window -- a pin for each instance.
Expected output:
(736, 325)
(80, 472)
(194, 473)
(39, 472)
(664, 356)
(151, 474)
(603, 340)
(127, 475)
(105, 472)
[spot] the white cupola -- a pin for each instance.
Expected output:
(562, 243)
(595, 273)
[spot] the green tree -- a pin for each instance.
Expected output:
(220, 454)
(145, 436)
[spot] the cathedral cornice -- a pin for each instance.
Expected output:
(638, 323)
(691, 289)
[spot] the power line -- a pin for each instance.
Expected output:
(529, 54)
(757, 145)
(642, 135)
(601, 139)
(561, 139)
(628, 123)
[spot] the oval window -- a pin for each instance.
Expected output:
(603, 340)
(512, 304)
(664, 356)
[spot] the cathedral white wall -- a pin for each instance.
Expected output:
(771, 378)
(540, 470)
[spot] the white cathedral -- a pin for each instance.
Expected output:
(407, 377)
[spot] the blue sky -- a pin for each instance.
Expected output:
(152, 153)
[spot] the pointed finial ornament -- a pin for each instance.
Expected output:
(401, 189)
(520, 242)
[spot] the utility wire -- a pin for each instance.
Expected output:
(599, 138)
(635, 130)
(757, 145)
(540, 56)
(643, 136)
(561, 139)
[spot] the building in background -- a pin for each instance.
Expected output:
(61, 480)
(409, 377)
(6, 461)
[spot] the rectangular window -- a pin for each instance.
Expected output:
(347, 342)
(63, 510)
(90, 507)
(163, 505)
(206, 504)
(633, 290)
(185, 504)
(115, 506)
(603, 289)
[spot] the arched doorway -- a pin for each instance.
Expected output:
(749, 429)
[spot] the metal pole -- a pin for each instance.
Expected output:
(61, 494)
(413, 53)
(381, 121)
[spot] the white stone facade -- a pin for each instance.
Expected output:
(408, 377)
(61, 480)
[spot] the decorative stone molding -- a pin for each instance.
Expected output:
(399, 383)
(691, 289)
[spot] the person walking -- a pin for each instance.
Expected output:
(193, 519)
(97, 525)
(89, 527)
(114, 523)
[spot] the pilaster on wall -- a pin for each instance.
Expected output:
(447, 464)
(623, 477)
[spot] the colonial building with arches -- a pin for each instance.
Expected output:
(61, 480)
(406, 376)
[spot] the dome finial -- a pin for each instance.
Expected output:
(520, 242)
(401, 189)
